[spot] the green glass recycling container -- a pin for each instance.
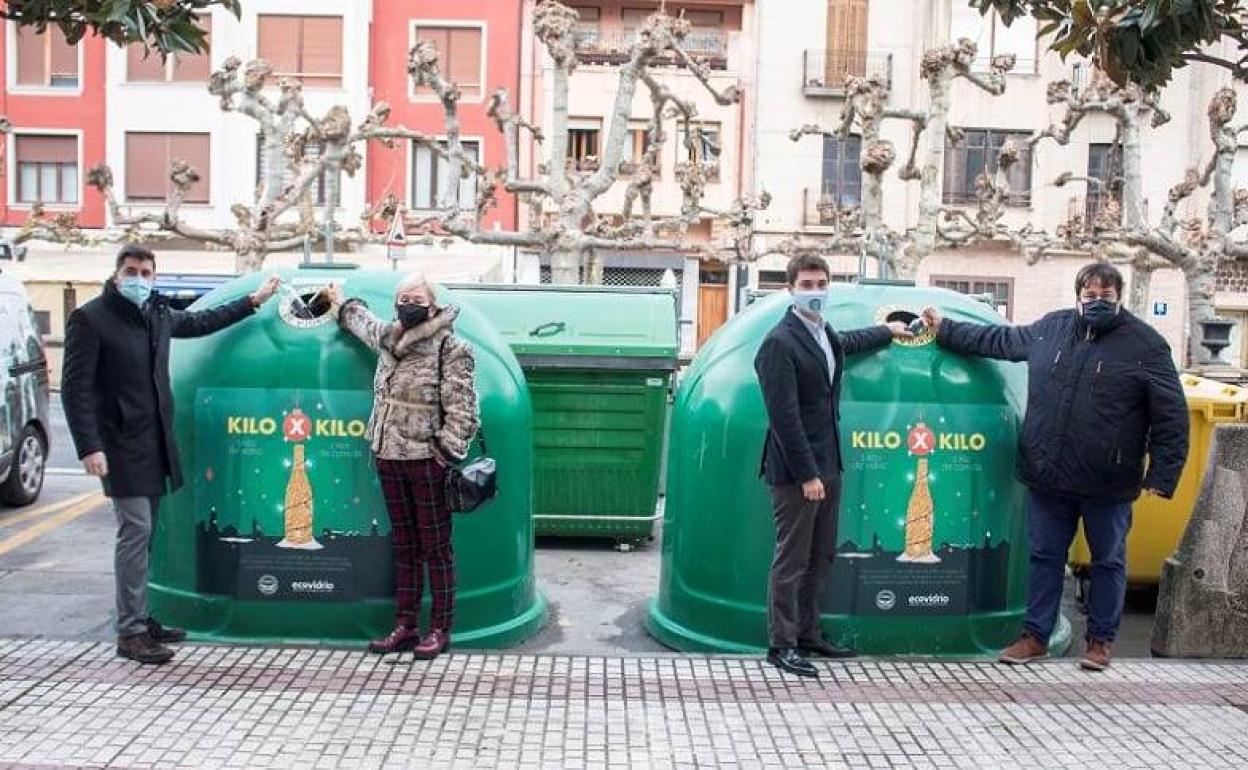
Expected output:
(281, 532)
(599, 364)
(931, 552)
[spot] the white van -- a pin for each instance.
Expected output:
(24, 426)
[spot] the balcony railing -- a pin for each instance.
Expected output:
(824, 72)
(595, 45)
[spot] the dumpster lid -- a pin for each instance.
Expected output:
(1219, 399)
(582, 321)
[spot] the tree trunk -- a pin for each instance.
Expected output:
(1199, 278)
(565, 267)
(593, 267)
(929, 185)
(1141, 282)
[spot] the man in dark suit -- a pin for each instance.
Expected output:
(799, 367)
(115, 388)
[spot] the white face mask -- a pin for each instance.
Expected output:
(813, 301)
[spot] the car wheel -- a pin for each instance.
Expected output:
(30, 460)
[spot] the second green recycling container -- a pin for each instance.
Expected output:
(281, 531)
(931, 552)
(599, 364)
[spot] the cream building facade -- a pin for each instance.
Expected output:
(723, 34)
(805, 46)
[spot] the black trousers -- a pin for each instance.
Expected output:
(805, 547)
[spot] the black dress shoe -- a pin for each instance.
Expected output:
(824, 649)
(788, 660)
(164, 634)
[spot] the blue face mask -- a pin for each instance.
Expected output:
(135, 289)
(812, 302)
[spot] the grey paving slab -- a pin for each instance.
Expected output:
(73, 703)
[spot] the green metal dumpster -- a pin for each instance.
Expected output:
(281, 532)
(931, 554)
(599, 364)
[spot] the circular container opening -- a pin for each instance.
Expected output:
(309, 305)
(905, 316)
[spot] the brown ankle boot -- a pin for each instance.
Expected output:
(400, 639)
(1024, 651)
(143, 648)
(432, 645)
(1097, 656)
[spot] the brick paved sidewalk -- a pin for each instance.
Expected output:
(73, 703)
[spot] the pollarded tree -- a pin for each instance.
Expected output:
(863, 230)
(1196, 248)
(561, 198)
(564, 225)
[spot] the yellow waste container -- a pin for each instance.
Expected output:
(1158, 524)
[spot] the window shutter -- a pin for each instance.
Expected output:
(31, 66)
(463, 64)
(47, 149)
(322, 51)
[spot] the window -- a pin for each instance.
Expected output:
(775, 280)
(47, 169)
(583, 144)
(1001, 290)
(1104, 164)
(149, 156)
(430, 171)
(311, 151)
(43, 322)
(308, 48)
(148, 67)
(705, 148)
(587, 30)
(978, 154)
(842, 174)
(640, 138)
(45, 60)
(993, 38)
(459, 54)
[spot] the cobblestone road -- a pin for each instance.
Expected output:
(74, 704)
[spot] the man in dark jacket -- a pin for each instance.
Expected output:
(799, 367)
(115, 389)
(1102, 397)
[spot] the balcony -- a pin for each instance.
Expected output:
(824, 72)
(595, 45)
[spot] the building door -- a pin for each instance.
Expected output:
(847, 40)
(712, 301)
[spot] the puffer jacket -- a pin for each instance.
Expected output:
(412, 410)
(1105, 410)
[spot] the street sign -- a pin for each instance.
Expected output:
(396, 241)
(1161, 309)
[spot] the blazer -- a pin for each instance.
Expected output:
(802, 404)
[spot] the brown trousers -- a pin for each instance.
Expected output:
(805, 547)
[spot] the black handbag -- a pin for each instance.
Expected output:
(470, 486)
(467, 486)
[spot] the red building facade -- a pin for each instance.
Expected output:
(479, 43)
(54, 98)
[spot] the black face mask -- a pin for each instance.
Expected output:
(1099, 313)
(411, 315)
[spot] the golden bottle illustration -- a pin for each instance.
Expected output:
(298, 502)
(921, 510)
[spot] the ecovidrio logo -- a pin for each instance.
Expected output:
(886, 600)
(267, 585)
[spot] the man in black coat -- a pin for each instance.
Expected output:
(1103, 397)
(799, 367)
(115, 390)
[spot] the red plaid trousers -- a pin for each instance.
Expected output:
(420, 533)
